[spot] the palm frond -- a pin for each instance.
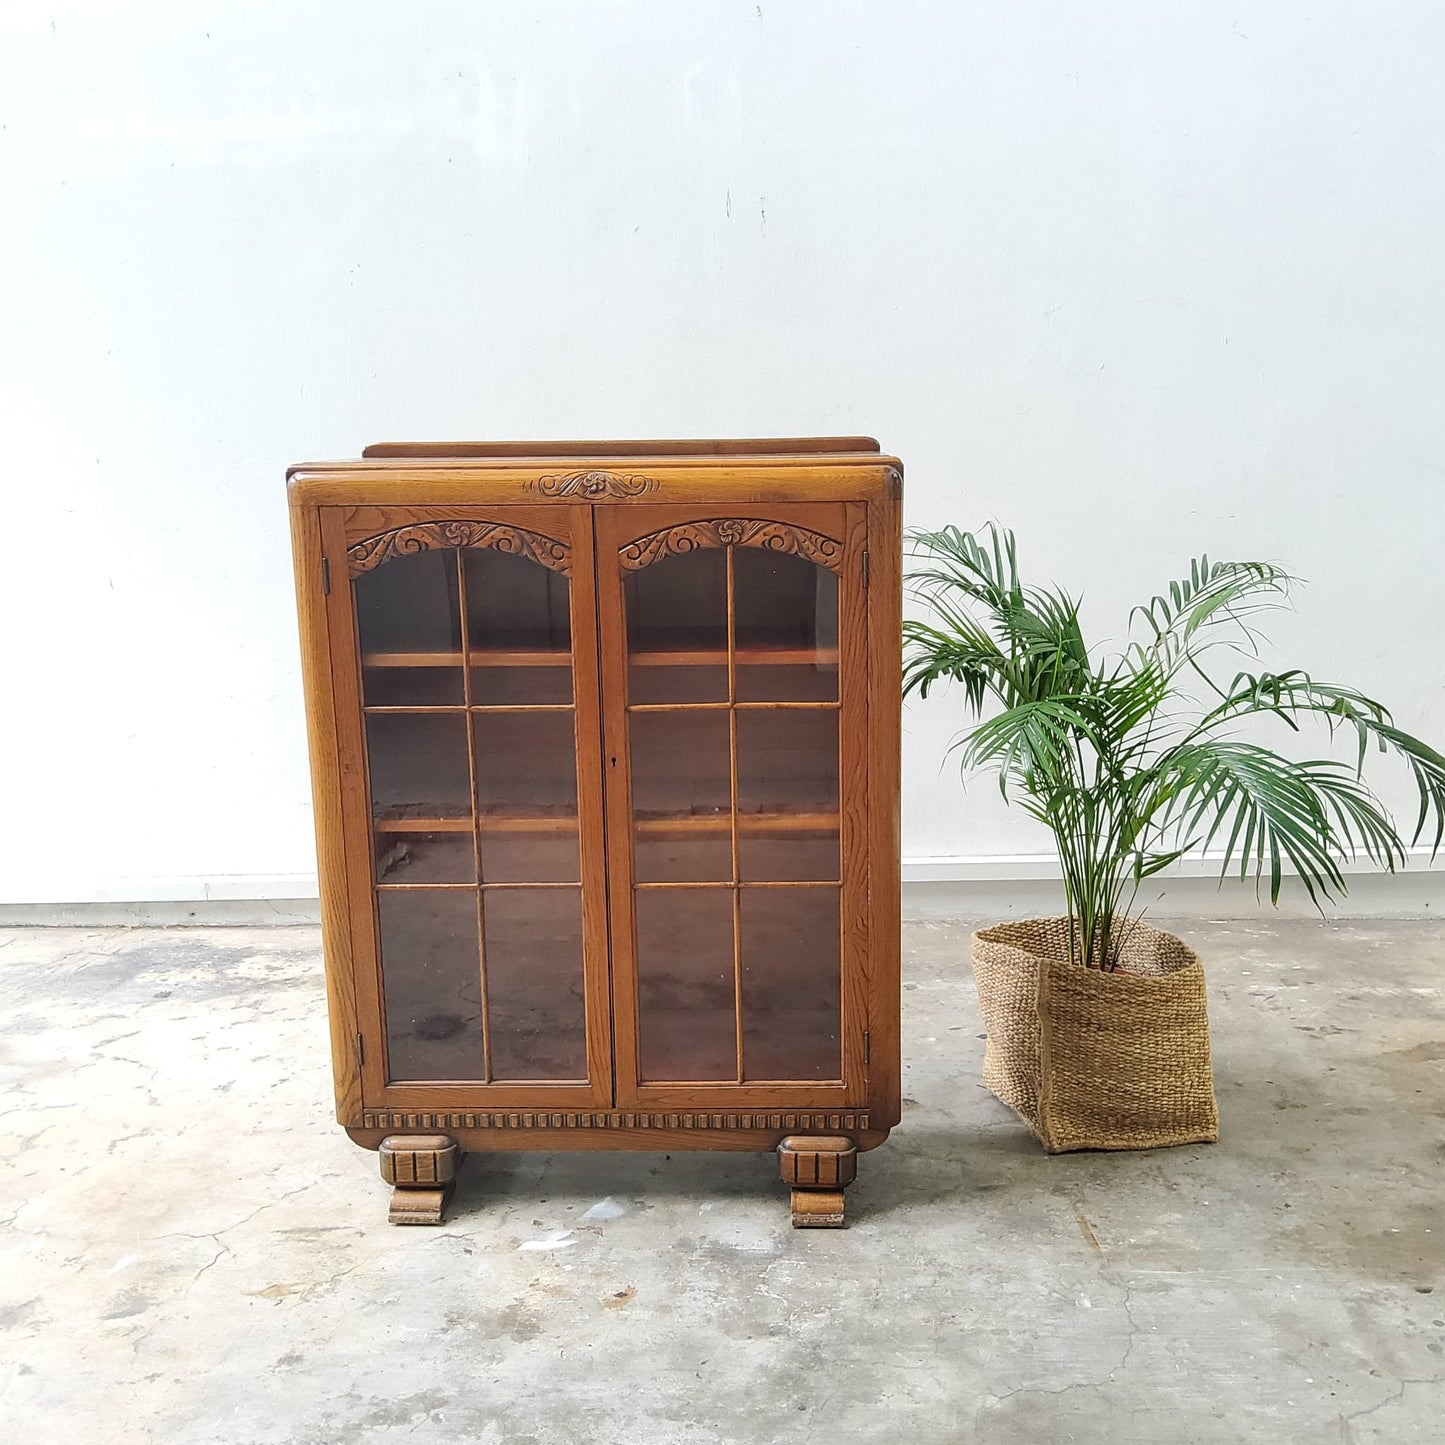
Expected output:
(1214, 594)
(1114, 756)
(1310, 815)
(1293, 695)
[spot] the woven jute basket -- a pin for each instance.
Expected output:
(1095, 1060)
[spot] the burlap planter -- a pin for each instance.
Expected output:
(1095, 1060)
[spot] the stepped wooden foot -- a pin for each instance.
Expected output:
(819, 1168)
(423, 1169)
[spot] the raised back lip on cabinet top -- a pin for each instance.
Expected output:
(746, 463)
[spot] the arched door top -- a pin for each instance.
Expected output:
(423, 536)
(733, 532)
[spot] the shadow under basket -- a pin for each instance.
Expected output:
(1095, 1060)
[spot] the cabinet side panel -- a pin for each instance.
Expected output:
(857, 844)
(885, 611)
(586, 682)
(326, 802)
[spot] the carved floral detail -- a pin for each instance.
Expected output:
(423, 536)
(733, 532)
(594, 484)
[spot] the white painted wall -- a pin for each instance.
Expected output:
(1139, 280)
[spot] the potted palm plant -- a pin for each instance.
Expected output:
(1097, 1029)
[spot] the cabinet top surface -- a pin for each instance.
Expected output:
(597, 470)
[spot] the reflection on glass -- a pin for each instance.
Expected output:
(792, 1003)
(407, 857)
(788, 760)
(677, 629)
(686, 1016)
(526, 766)
(785, 620)
(519, 630)
(681, 795)
(535, 1002)
(418, 765)
(494, 685)
(795, 855)
(432, 983)
(515, 603)
(408, 622)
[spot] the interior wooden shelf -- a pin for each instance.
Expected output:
(478, 657)
(561, 657)
(749, 824)
(748, 656)
(487, 823)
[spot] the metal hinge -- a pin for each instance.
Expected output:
(867, 1048)
(360, 1049)
(326, 574)
(865, 571)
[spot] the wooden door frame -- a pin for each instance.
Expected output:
(343, 528)
(616, 526)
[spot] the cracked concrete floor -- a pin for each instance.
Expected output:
(194, 1252)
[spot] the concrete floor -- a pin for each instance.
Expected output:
(194, 1252)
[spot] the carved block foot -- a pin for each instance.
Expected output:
(423, 1169)
(819, 1168)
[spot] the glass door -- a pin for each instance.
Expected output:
(477, 670)
(736, 869)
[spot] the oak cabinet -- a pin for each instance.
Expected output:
(604, 743)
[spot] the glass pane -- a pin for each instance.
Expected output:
(767, 854)
(780, 681)
(681, 794)
(431, 978)
(535, 1002)
(515, 603)
(519, 629)
(408, 620)
(677, 629)
(405, 857)
(405, 686)
(686, 1016)
(526, 766)
(785, 616)
(541, 851)
(418, 764)
(530, 686)
(791, 985)
(788, 794)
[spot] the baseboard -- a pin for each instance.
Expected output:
(1002, 886)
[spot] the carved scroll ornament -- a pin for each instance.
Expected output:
(733, 532)
(591, 485)
(423, 536)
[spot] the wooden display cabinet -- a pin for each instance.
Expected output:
(604, 744)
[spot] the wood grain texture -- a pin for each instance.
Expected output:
(477, 1141)
(418, 1159)
(818, 1209)
(448, 484)
(423, 536)
(855, 762)
(732, 532)
(677, 447)
(834, 502)
(618, 527)
(420, 1203)
(818, 1168)
(817, 1161)
(885, 741)
(321, 727)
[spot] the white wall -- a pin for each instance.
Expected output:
(1138, 280)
